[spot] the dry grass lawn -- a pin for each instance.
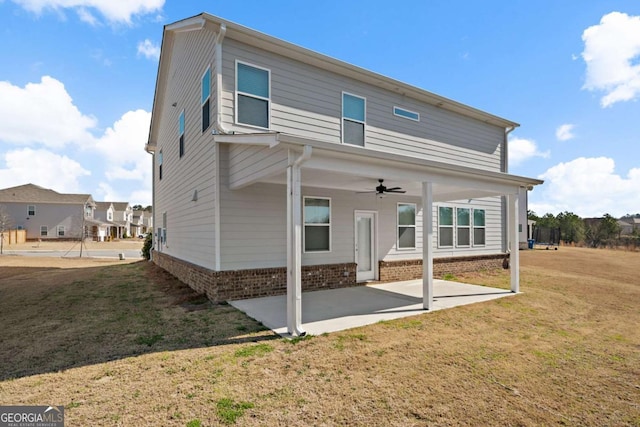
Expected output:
(125, 344)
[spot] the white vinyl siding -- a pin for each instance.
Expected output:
(317, 224)
(406, 226)
(253, 100)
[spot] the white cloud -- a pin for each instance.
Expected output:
(521, 149)
(43, 168)
(115, 11)
(86, 16)
(148, 49)
(42, 113)
(588, 187)
(565, 132)
(611, 51)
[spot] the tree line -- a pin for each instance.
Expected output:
(592, 232)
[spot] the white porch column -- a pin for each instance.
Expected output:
(294, 246)
(427, 245)
(513, 241)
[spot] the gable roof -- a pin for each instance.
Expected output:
(120, 206)
(103, 206)
(289, 50)
(31, 193)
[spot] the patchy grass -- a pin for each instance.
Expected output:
(564, 352)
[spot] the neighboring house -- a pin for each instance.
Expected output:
(148, 222)
(138, 224)
(46, 214)
(122, 218)
(274, 165)
(628, 225)
(105, 212)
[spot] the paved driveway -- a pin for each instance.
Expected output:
(339, 309)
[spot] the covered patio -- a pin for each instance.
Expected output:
(339, 309)
(296, 161)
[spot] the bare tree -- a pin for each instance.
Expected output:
(6, 222)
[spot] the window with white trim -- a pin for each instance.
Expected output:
(181, 133)
(354, 112)
(463, 227)
(407, 114)
(109, 216)
(445, 227)
(317, 224)
(44, 231)
(253, 95)
(31, 210)
(406, 226)
(479, 230)
(61, 231)
(205, 98)
(160, 164)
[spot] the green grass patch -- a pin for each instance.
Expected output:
(194, 423)
(229, 411)
(149, 340)
(450, 277)
(296, 340)
(254, 350)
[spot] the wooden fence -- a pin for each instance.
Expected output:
(14, 237)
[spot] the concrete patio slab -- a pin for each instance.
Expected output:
(338, 309)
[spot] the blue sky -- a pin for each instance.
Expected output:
(77, 80)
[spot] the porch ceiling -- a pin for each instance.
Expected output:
(358, 169)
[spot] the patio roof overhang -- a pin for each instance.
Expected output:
(354, 168)
(279, 158)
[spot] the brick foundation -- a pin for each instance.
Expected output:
(412, 269)
(239, 284)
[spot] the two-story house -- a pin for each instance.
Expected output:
(47, 215)
(278, 169)
(122, 218)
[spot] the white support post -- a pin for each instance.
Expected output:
(513, 241)
(427, 245)
(294, 252)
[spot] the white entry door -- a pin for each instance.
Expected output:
(365, 240)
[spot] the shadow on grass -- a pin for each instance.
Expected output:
(56, 319)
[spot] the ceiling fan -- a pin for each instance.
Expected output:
(381, 189)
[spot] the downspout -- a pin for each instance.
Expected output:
(294, 244)
(218, 126)
(505, 164)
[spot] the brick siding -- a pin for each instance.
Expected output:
(412, 269)
(240, 284)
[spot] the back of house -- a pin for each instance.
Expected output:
(270, 158)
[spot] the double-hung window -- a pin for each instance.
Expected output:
(181, 133)
(61, 231)
(479, 227)
(253, 95)
(160, 164)
(317, 224)
(353, 119)
(406, 226)
(44, 231)
(463, 227)
(205, 99)
(31, 210)
(445, 227)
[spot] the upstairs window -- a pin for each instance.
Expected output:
(31, 210)
(253, 95)
(353, 119)
(406, 226)
(205, 99)
(109, 216)
(160, 165)
(181, 133)
(317, 224)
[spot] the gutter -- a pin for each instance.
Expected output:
(217, 125)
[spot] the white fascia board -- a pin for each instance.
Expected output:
(190, 24)
(265, 139)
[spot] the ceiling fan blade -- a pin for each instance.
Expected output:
(394, 188)
(366, 192)
(395, 191)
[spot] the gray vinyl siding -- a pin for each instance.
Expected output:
(307, 101)
(51, 215)
(248, 161)
(190, 224)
